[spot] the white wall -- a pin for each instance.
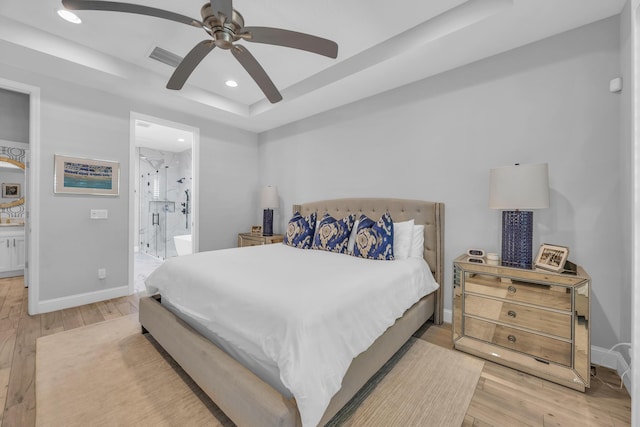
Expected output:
(83, 122)
(437, 139)
(14, 116)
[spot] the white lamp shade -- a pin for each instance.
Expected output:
(519, 187)
(269, 197)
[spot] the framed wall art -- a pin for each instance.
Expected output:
(77, 175)
(552, 257)
(11, 191)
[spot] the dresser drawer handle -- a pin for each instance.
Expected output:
(511, 313)
(512, 289)
(511, 338)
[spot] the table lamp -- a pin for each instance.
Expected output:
(269, 202)
(517, 190)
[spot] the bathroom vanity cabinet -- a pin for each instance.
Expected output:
(12, 254)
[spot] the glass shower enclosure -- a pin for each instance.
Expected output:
(161, 188)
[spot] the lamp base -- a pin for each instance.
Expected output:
(517, 239)
(267, 222)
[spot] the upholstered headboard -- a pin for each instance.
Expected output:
(431, 214)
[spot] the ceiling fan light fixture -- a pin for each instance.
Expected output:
(69, 16)
(231, 83)
(224, 27)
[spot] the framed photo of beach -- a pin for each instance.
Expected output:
(77, 175)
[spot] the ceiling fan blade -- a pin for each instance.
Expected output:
(189, 63)
(224, 7)
(291, 39)
(113, 6)
(255, 70)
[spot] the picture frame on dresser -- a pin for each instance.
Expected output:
(551, 257)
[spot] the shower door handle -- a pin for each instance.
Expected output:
(155, 219)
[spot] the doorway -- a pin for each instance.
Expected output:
(164, 194)
(25, 150)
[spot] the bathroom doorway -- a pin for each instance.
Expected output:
(164, 193)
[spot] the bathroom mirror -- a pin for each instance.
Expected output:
(8, 167)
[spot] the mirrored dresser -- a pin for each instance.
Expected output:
(531, 320)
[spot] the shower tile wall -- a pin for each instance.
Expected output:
(165, 179)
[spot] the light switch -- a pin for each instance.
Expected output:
(99, 214)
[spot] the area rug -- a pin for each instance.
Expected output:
(422, 385)
(109, 374)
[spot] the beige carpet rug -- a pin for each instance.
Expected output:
(109, 374)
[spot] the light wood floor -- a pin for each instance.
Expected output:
(503, 397)
(18, 334)
(506, 397)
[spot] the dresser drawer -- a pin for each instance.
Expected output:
(550, 296)
(536, 319)
(536, 345)
(247, 241)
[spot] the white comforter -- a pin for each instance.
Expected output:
(309, 311)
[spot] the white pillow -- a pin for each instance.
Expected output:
(402, 238)
(417, 245)
(352, 237)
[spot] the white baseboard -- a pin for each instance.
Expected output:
(447, 315)
(82, 299)
(612, 360)
(13, 273)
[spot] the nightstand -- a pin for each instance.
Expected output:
(249, 239)
(532, 320)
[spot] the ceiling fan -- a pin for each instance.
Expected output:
(225, 26)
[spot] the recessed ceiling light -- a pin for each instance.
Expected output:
(180, 139)
(231, 83)
(69, 16)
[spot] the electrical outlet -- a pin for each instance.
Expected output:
(102, 273)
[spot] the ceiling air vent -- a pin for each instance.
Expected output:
(166, 57)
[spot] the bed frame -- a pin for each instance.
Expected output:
(249, 401)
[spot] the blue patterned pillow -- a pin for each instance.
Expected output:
(300, 231)
(332, 234)
(374, 240)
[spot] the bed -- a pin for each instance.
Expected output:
(245, 397)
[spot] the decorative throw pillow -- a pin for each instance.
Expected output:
(417, 245)
(300, 231)
(352, 237)
(402, 238)
(374, 239)
(333, 235)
